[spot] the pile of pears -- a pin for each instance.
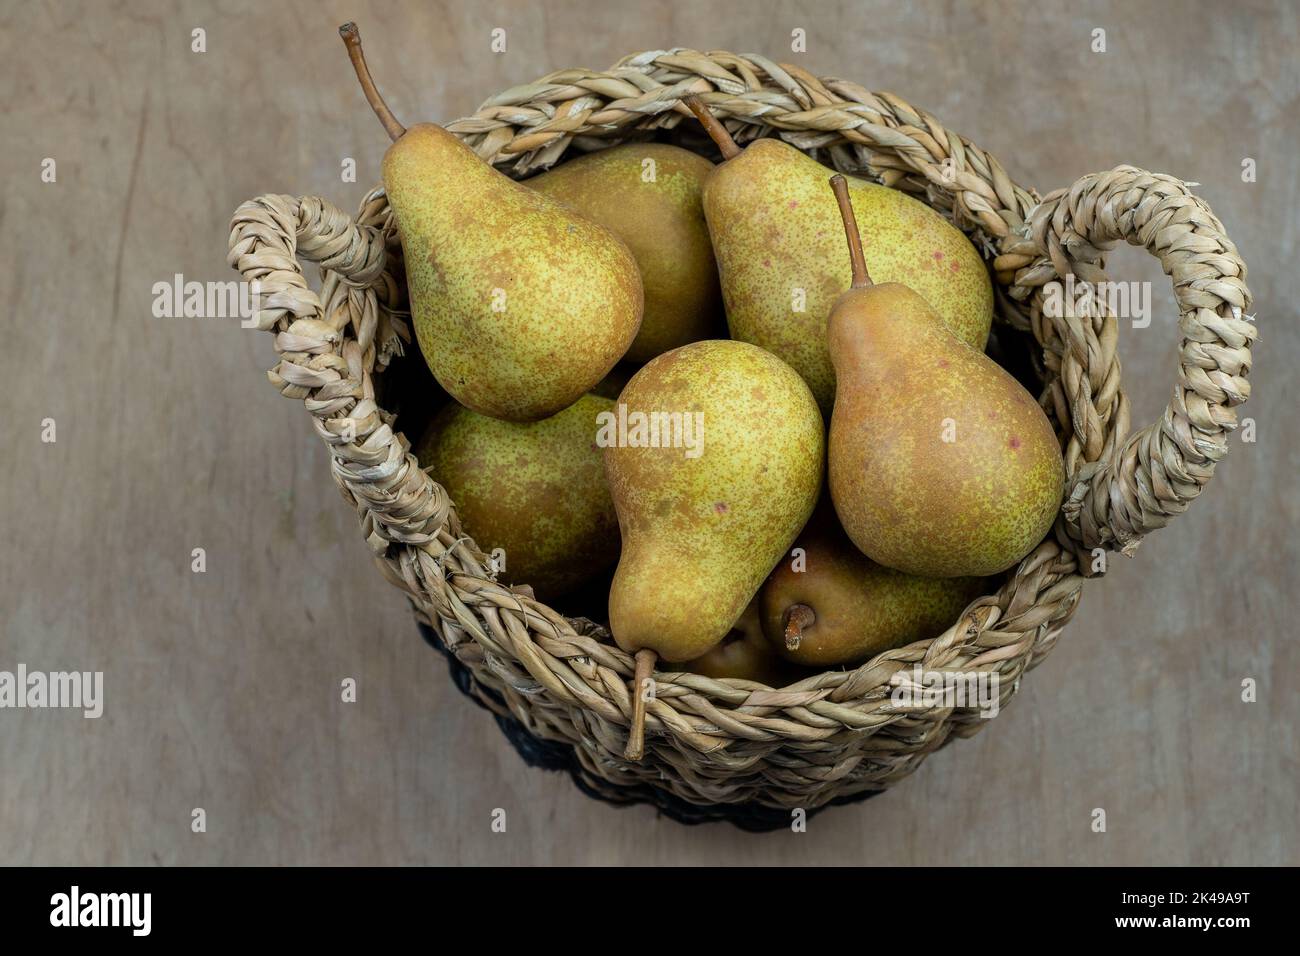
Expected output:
(838, 468)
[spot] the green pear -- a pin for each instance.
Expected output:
(940, 463)
(648, 194)
(777, 238)
(520, 305)
(708, 505)
(745, 654)
(536, 490)
(829, 604)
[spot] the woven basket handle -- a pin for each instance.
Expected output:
(329, 345)
(1136, 486)
(268, 235)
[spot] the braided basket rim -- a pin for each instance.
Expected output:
(834, 734)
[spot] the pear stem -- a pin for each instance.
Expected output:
(717, 132)
(841, 187)
(352, 39)
(645, 665)
(798, 619)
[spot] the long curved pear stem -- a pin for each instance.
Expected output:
(798, 619)
(352, 39)
(841, 187)
(645, 665)
(717, 132)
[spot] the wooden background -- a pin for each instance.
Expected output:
(223, 688)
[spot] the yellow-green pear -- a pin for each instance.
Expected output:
(648, 194)
(534, 490)
(779, 247)
(714, 460)
(520, 305)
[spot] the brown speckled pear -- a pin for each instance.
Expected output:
(648, 194)
(777, 238)
(940, 463)
(520, 305)
(828, 604)
(702, 526)
(536, 490)
(746, 654)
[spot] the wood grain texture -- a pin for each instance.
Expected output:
(222, 689)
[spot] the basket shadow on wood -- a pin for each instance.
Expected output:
(834, 735)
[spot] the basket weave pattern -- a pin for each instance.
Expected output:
(835, 734)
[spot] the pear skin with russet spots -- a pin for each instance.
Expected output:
(520, 305)
(535, 490)
(779, 247)
(701, 533)
(940, 464)
(648, 194)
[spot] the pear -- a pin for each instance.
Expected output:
(648, 194)
(520, 305)
(714, 465)
(830, 604)
(745, 654)
(776, 236)
(536, 490)
(940, 463)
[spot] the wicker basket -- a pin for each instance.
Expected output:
(721, 743)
